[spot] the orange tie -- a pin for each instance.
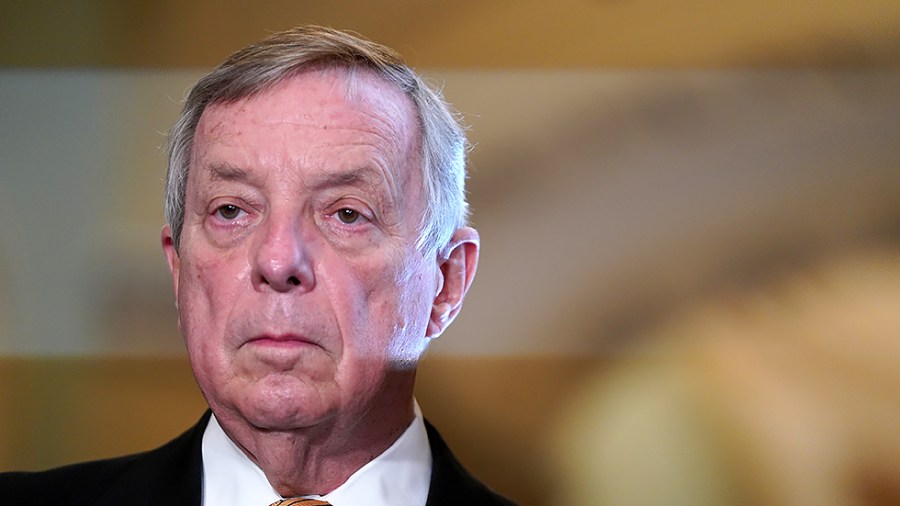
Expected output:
(299, 502)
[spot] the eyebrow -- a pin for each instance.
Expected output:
(352, 177)
(360, 177)
(227, 172)
(366, 178)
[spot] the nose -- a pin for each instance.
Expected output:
(283, 262)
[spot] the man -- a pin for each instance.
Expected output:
(317, 242)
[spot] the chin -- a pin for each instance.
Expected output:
(286, 404)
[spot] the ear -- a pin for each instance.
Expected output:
(457, 264)
(172, 258)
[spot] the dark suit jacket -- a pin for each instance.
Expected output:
(171, 476)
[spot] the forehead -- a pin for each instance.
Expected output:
(323, 110)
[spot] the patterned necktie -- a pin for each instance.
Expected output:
(299, 502)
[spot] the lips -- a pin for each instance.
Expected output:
(281, 341)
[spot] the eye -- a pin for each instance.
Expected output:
(348, 216)
(229, 212)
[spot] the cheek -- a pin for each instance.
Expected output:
(212, 274)
(363, 293)
(417, 296)
(208, 290)
(401, 300)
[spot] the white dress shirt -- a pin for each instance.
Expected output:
(401, 475)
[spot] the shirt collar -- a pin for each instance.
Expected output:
(400, 475)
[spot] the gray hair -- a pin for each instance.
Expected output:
(260, 66)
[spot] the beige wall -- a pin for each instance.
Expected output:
(467, 33)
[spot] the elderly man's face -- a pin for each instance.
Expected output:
(298, 281)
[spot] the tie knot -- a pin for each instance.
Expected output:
(300, 502)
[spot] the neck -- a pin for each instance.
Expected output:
(318, 459)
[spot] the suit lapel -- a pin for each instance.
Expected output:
(451, 484)
(172, 474)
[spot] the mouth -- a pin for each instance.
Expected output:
(279, 352)
(287, 341)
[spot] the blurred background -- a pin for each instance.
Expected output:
(689, 290)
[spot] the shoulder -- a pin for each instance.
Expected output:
(169, 474)
(76, 482)
(451, 483)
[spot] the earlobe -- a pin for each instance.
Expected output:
(457, 270)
